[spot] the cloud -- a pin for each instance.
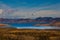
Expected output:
(1, 11)
(20, 12)
(34, 14)
(47, 13)
(5, 11)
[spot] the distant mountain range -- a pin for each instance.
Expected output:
(40, 21)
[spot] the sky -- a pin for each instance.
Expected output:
(29, 8)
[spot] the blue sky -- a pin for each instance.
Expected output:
(30, 3)
(25, 8)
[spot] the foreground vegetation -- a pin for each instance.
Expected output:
(28, 34)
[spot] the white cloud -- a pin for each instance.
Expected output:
(1, 11)
(47, 13)
(8, 12)
(41, 13)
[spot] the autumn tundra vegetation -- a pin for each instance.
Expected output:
(29, 34)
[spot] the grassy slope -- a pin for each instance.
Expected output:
(27, 34)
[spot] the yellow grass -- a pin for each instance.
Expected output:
(29, 34)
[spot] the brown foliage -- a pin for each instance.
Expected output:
(27, 34)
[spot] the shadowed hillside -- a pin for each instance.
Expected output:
(29, 34)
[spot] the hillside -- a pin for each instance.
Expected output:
(28, 34)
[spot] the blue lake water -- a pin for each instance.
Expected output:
(24, 24)
(31, 26)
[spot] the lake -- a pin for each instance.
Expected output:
(30, 26)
